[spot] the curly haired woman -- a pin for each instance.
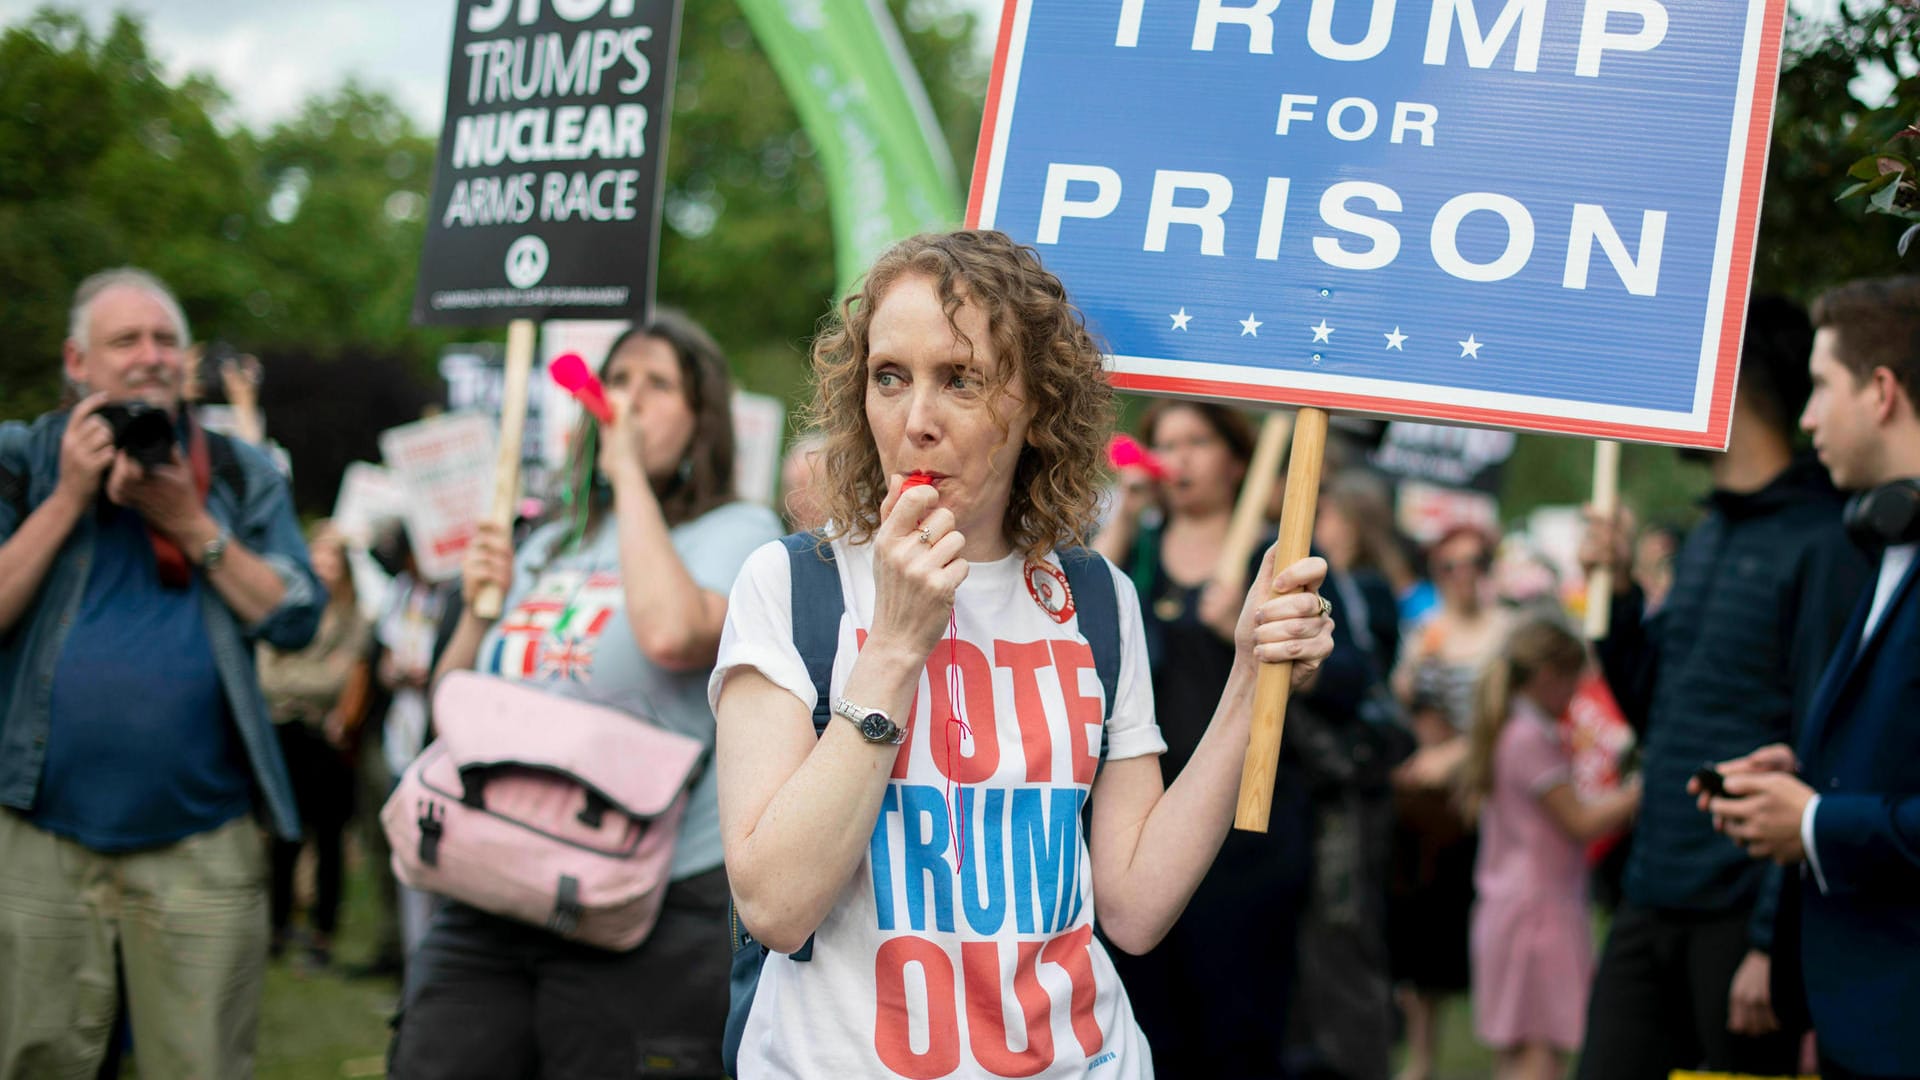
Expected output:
(934, 852)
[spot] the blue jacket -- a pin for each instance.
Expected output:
(1860, 938)
(263, 522)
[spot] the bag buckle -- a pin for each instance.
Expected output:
(566, 907)
(432, 826)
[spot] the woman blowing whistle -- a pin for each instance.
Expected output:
(930, 847)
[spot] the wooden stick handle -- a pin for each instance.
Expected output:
(1606, 500)
(513, 422)
(1250, 515)
(1276, 680)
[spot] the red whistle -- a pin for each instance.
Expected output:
(917, 478)
(571, 373)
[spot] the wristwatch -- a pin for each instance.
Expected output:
(215, 550)
(875, 726)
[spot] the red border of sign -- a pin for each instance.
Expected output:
(1766, 76)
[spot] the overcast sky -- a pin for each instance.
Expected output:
(272, 57)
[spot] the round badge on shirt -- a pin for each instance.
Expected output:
(1048, 587)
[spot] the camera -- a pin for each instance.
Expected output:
(142, 431)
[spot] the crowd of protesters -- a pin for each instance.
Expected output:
(965, 754)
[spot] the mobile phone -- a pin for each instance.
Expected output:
(1710, 780)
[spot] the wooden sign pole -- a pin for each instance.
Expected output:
(1276, 680)
(1250, 515)
(1606, 502)
(513, 422)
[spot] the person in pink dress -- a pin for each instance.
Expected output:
(1532, 937)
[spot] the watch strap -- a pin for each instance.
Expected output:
(215, 549)
(857, 716)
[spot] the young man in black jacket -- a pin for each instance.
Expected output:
(1762, 589)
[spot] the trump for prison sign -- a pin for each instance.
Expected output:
(1535, 214)
(547, 190)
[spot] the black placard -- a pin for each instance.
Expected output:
(549, 175)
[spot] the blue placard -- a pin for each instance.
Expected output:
(1535, 214)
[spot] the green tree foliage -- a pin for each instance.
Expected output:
(102, 162)
(1808, 240)
(302, 239)
(747, 246)
(338, 213)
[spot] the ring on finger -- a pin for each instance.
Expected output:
(926, 535)
(1326, 607)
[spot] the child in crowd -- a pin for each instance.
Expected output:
(1532, 936)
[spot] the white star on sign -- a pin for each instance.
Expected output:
(1395, 340)
(1322, 332)
(1250, 326)
(1181, 319)
(1470, 347)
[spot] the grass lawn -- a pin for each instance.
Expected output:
(1461, 1055)
(319, 1025)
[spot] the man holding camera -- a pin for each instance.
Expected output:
(140, 560)
(1842, 808)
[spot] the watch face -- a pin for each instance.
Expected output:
(876, 727)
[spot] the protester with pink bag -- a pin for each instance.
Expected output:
(618, 601)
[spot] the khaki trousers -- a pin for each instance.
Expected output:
(189, 924)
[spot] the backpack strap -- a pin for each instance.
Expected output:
(1090, 580)
(816, 634)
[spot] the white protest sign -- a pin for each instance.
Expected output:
(758, 421)
(445, 468)
(369, 497)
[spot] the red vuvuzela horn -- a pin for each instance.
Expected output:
(571, 373)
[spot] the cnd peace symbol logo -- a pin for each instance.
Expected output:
(526, 262)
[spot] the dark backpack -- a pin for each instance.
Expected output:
(817, 606)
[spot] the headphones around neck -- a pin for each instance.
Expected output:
(1886, 515)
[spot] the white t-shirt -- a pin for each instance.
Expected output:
(993, 970)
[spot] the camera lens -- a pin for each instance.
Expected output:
(143, 432)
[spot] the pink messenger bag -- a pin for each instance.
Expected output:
(553, 811)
